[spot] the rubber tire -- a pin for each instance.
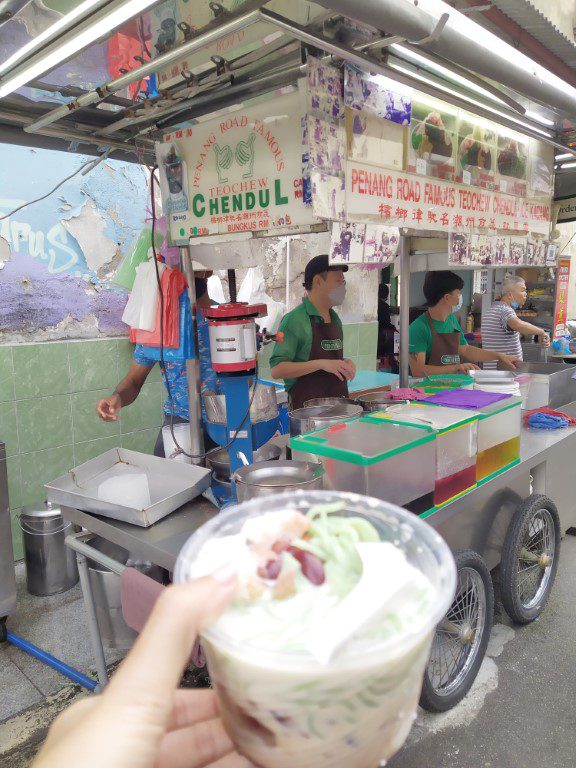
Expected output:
(511, 554)
(432, 701)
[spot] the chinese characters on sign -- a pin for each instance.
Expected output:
(406, 200)
(561, 298)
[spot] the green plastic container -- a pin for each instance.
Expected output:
(374, 457)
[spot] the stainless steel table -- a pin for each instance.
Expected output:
(478, 520)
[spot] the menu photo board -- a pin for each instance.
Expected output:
(476, 153)
(238, 173)
(432, 140)
(512, 164)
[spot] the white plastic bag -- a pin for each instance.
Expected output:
(140, 311)
(253, 290)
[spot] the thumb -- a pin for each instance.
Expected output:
(156, 662)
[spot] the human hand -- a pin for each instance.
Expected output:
(466, 368)
(340, 368)
(109, 408)
(142, 720)
(352, 367)
(510, 361)
(544, 339)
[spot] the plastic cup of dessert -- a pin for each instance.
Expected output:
(281, 706)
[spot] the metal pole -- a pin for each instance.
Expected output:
(404, 309)
(193, 366)
(215, 32)
(232, 286)
(288, 241)
(93, 627)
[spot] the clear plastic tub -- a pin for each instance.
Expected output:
(456, 444)
(375, 457)
(499, 428)
(284, 708)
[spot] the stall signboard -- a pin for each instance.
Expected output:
(238, 173)
(566, 209)
(561, 306)
(408, 200)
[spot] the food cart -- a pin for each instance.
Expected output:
(345, 157)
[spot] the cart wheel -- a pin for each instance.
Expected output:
(461, 638)
(530, 558)
(3, 629)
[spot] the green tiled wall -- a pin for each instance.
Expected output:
(48, 394)
(360, 344)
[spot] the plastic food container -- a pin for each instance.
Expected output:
(498, 437)
(456, 444)
(281, 706)
(370, 456)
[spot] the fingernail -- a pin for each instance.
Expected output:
(226, 574)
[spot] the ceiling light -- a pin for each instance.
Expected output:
(494, 45)
(63, 50)
(567, 165)
(539, 118)
(462, 96)
(565, 156)
(444, 71)
(37, 42)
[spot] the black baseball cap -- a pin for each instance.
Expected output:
(318, 265)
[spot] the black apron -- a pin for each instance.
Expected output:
(327, 344)
(445, 346)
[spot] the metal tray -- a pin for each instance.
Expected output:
(169, 485)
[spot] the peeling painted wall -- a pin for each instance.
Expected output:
(58, 256)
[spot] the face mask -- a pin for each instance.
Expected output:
(337, 295)
(514, 305)
(458, 306)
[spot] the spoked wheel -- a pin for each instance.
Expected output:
(530, 558)
(461, 638)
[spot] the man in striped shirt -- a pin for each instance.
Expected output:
(501, 327)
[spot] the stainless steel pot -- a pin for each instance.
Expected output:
(304, 420)
(219, 460)
(374, 401)
(328, 401)
(270, 477)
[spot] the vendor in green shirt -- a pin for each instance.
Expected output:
(310, 355)
(437, 344)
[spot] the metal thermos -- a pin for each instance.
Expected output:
(50, 564)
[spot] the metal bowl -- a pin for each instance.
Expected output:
(304, 420)
(270, 477)
(219, 460)
(374, 401)
(328, 401)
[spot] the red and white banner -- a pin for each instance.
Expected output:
(418, 202)
(561, 298)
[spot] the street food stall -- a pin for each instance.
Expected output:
(330, 128)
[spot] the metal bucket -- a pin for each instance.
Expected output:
(105, 585)
(218, 459)
(50, 565)
(328, 401)
(271, 477)
(304, 420)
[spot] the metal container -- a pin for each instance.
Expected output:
(50, 565)
(328, 401)
(129, 486)
(264, 406)
(219, 459)
(551, 384)
(105, 585)
(270, 477)
(372, 402)
(304, 420)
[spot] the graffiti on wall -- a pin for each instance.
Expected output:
(58, 257)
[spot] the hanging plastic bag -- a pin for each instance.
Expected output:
(142, 307)
(185, 350)
(173, 284)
